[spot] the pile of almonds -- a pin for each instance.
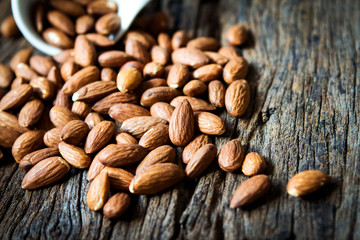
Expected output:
(160, 89)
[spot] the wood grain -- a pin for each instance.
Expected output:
(304, 114)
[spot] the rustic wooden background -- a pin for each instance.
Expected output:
(304, 114)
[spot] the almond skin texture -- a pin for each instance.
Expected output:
(155, 82)
(155, 137)
(217, 92)
(54, 76)
(137, 50)
(8, 136)
(231, 53)
(60, 116)
(61, 22)
(98, 192)
(209, 123)
(68, 7)
(46, 172)
(178, 75)
(306, 182)
(108, 74)
(190, 57)
(203, 44)
(26, 143)
(84, 24)
(25, 71)
(93, 119)
(179, 39)
(153, 70)
(162, 154)
(100, 40)
(235, 70)
(94, 91)
(193, 146)
(120, 179)
(95, 168)
(208, 72)
(156, 178)
(99, 136)
(113, 58)
(64, 55)
(128, 79)
(200, 161)
(62, 100)
(253, 164)
(11, 121)
(68, 68)
(33, 158)
(182, 124)
(75, 156)
(162, 110)
(236, 35)
(250, 190)
(216, 58)
(57, 38)
(195, 88)
(122, 111)
(121, 155)
(43, 88)
(138, 126)
(22, 56)
(81, 78)
(52, 138)
(85, 52)
(231, 156)
(122, 138)
(81, 109)
(133, 64)
(197, 104)
(107, 24)
(16, 97)
(101, 7)
(158, 94)
(237, 98)
(74, 132)
(160, 55)
(31, 113)
(165, 42)
(6, 76)
(103, 105)
(116, 205)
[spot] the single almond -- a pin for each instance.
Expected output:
(160, 55)
(155, 137)
(231, 156)
(216, 58)
(31, 113)
(85, 52)
(155, 82)
(137, 50)
(237, 98)
(74, 132)
(116, 205)
(122, 111)
(143, 38)
(75, 156)
(9, 28)
(236, 35)
(165, 41)
(120, 179)
(153, 70)
(25, 71)
(128, 79)
(179, 39)
(99, 136)
(178, 75)
(216, 90)
(306, 182)
(33, 158)
(94, 91)
(43, 88)
(197, 104)
(15, 98)
(95, 168)
(107, 24)
(108, 75)
(17, 82)
(162, 154)
(156, 178)
(133, 64)
(98, 192)
(10, 121)
(54, 76)
(103, 105)
(190, 57)
(6, 76)
(250, 190)
(209, 123)
(200, 161)
(203, 44)
(138, 126)
(182, 124)
(46, 172)
(195, 88)
(158, 94)
(64, 55)
(57, 38)
(52, 138)
(122, 138)
(84, 24)
(81, 78)
(162, 110)
(8, 136)
(81, 109)
(60, 116)
(193, 146)
(61, 21)
(26, 143)
(100, 7)
(253, 164)
(68, 7)
(208, 72)
(230, 53)
(68, 68)
(93, 119)
(21, 56)
(235, 70)
(113, 58)
(120, 155)
(62, 100)
(39, 10)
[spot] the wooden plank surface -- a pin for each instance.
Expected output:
(303, 114)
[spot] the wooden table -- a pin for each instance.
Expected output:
(304, 114)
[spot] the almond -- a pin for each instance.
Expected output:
(193, 146)
(16, 82)
(93, 119)
(98, 192)
(75, 156)
(155, 82)
(133, 64)
(237, 98)
(122, 138)
(8, 27)
(31, 113)
(156, 178)
(62, 100)
(84, 24)
(33, 158)
(99, 136)
(217, 92)
(6, 76)
(153, 70)
(11, 121)
(195, 88)
(179, 39)
(138, 126)
(235, 70)
(60, 116)
(250, 190)
(61, 22)
(21, 56)
(85, 52)
(81, 109)
(236, 35)
(113, 58)
(200, 161)
(121, 155)
(128, 79)
(165, 42)
(101, 7)
(27, 143)
(8, 137)
(190, 57)
(209, 123)
(119, 178)
(107, 24)
(253, 164)
(160, 55)
(182, 124)
(158, 94)
(25, 71)
(68, 68)
(68, 7)
(45, 173)
(162, 154)
(39, 9)
(15, 98)
(216, 58)
(230, 53)
(74, 132)
(116, 205)
(306, 182)
(137, 50)
(57, 38)
(52, 138)
(208, 72)
(231, 156)
(108, 74)
(64, 55)
(178, 75)
(122, 111)
(203, 44)
(54, 76)
(43, 88)
(81, 78)
(155, 137)
(45, 123)
(94, 91)
(104, 104)
(95, 168)
(197, 104)
(162, 110)
(142, 37)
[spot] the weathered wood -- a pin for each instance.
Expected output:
(304, 114)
